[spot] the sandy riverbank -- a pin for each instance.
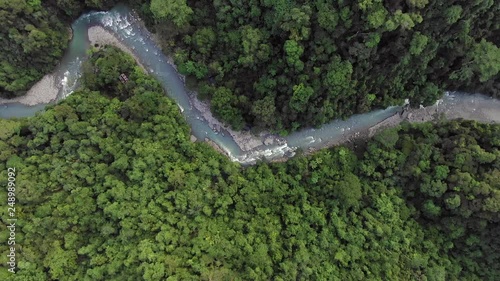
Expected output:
(98, 36)
(479, 109)
(44, 91)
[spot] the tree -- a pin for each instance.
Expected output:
(301, 96)
(405, 20)
(377, 16)
(430, 209)
(190, 67)
(293, 51)
(254, 47)
(452, 202)
(264, 110)
(8, 128)
(104, 69)
(60, 262)
(418, 43)
(338, 77)
(177, 11)
(453, 14)
(223, 105)
(204, 39)
(486, 59)
(419, 4)
(348, 191)
(328, 17)
(388, 138)
(297, 22)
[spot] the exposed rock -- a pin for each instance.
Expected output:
(268, 140)
(101, 37)
(44, 91)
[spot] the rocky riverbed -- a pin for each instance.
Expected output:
(452, 106)
(99, 36)
(251, 147)
(44, 91)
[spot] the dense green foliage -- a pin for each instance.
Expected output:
(33, 38)
(451, 173)
(103, 69)
(109, 187)
(32, 41)
(285, 64)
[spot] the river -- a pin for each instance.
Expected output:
(127, 28)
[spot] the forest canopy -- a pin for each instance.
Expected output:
(32, 42)
(110, 187)
(288, 64)
(34, 36)
(283, 65)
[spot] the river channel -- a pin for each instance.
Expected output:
(125, 25)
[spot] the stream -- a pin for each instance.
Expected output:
(127, 28)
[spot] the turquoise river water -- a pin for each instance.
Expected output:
(125, 25)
